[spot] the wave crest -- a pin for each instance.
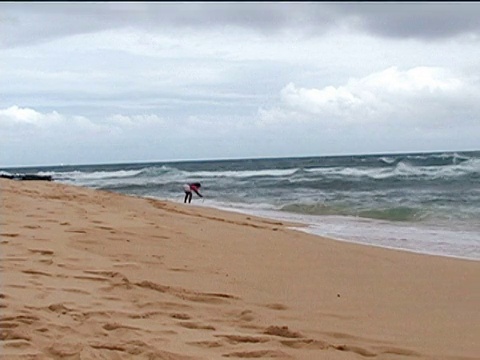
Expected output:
(399, 213)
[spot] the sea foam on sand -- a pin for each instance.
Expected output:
(88, 274)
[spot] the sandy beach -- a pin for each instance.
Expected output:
(89, 274)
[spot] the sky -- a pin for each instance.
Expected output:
(115, 82)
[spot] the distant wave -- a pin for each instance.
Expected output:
(453, 155)
(400, 213)
(96, 175)
(387, 160)
(164, 170)
(244, 173)
(402, 169)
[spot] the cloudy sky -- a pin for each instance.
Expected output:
(108, 82)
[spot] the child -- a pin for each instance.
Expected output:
(188, 188)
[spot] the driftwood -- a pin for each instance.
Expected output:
(27, 177)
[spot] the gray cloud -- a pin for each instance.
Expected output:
(27, 23)
(423, 20)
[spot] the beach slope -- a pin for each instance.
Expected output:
(88, 274)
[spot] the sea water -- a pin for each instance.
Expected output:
(422, 202)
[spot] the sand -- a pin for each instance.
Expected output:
(89, 274)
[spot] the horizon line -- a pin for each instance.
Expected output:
(238, 159)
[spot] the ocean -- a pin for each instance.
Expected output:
(420, 202)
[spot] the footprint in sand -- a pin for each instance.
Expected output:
(65, 350)
(276, 306)
(35, 272)
(282, 331)
(9, 234)
(11, 333)
(259, 354)
(196, 326)
(77, 231)
(115, 326)
(242, 339)
(306, 344)
(42, 251)
(206, 344)
(181, 316)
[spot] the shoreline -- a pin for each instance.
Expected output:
(308, 227)
(92, 273)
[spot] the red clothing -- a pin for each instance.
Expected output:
(193, 188)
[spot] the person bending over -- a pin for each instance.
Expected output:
(189, 190)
